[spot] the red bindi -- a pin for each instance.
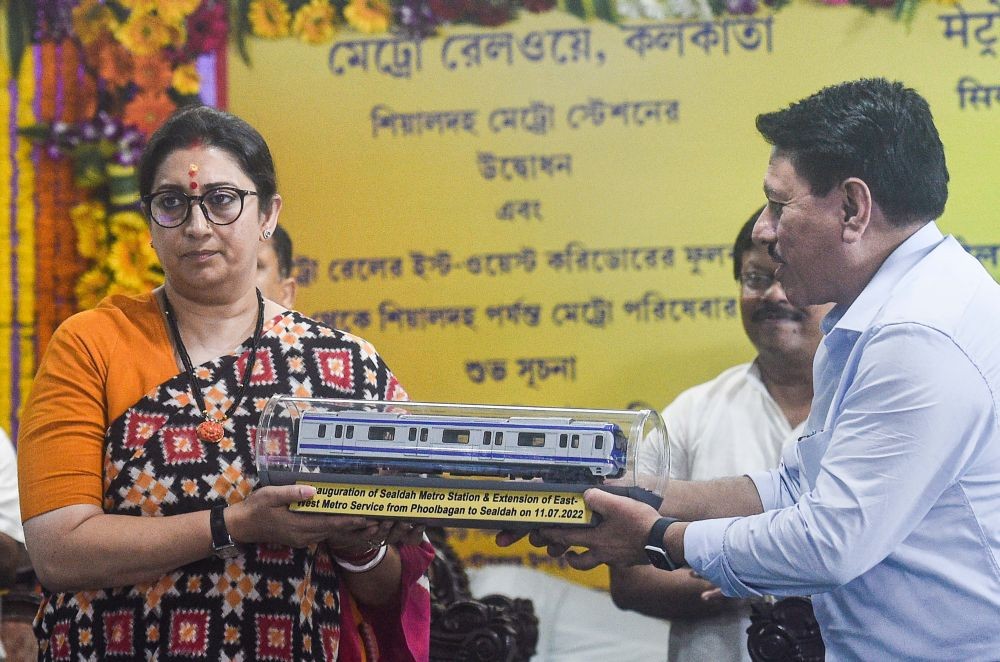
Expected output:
(192, 171)
(194, 185)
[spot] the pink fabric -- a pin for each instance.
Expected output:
(401, 629)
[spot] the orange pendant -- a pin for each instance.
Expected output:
(210, 431)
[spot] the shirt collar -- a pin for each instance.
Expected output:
(858, 315)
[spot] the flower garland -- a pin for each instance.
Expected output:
(140, 56)
(316, 21)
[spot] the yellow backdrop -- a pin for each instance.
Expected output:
(543, 213)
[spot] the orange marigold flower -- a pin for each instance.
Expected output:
(369, 16)
(148, 110)
(115, 64)
(313, 22)
(152, 72)
(145, 33)
(269, 18)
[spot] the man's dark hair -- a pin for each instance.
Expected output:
(282, 245)
(203, 125)
(879, 131)
(744, 242)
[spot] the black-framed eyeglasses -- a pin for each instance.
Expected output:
(221, 205)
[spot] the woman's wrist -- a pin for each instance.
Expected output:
(365, 562)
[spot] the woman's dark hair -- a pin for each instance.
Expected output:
(203, 125)
(744, 242)
(879, 131)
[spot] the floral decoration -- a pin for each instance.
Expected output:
(140, 58)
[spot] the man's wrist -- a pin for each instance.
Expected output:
(674, 541)
(656, 547)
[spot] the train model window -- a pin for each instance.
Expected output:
(487, 437)
(599, 442)
(413, 434)
(423, 434)
(350, 432)
(536, 439)
(453, 436)
(381, 432)
(498, 439)
(562, 440)
(575, 441)
(338, 431)
(321, 432)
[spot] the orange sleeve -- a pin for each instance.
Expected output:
(97, 364)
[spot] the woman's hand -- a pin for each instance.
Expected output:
(351, 543)
(264, 517)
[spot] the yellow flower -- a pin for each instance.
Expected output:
(186, 80)
(139, 5)
(176, 12)
(131, 223)
(130, 259)
(369, 16)
(269, 18)
(145, 33)
(92, 287)
(313, 22)
(91, 19)
(91, 231)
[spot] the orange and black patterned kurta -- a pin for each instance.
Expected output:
(269, 602)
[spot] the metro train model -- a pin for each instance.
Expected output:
(553, 449)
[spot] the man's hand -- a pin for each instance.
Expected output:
(618, 540)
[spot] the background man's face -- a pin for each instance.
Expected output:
(771, 322)
(269, 280)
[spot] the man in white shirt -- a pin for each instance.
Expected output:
(735, 423)
(12, 554)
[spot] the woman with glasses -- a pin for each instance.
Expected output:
(137, 463)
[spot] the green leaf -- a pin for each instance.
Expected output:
(239, 17)
(574, 7)
(19, 13)
(35, 132)
(606, 11)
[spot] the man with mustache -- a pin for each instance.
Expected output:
(737, 422)
(886, 511)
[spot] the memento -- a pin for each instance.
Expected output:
(467, 465)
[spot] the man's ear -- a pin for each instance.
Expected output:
(857, 209)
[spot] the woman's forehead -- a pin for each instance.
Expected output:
(203, 161)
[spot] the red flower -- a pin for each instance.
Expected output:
(539, 6)
(491, 14)
(448, 10)
(207, 29)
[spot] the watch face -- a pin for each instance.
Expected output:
(658, 558)
(226, 551)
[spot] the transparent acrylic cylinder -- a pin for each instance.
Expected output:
(322, 439)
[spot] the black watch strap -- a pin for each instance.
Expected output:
(655, 548)
(222, 543)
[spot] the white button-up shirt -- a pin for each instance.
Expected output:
(888, 508)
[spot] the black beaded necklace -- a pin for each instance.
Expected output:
(211, 430)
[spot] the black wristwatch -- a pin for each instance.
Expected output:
(223, 544)
(655, 549)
